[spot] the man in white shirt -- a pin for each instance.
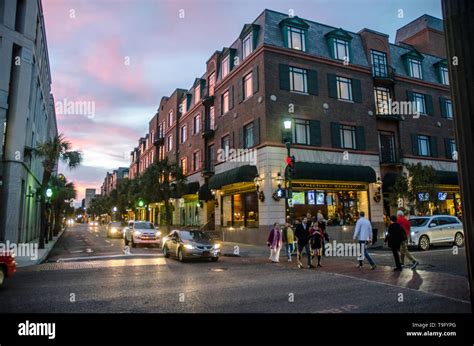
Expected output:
(363, 235)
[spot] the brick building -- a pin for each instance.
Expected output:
(337, 88)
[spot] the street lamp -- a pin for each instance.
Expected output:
(114, 209)
(287, 124)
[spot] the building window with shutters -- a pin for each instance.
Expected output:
(298, 80)
(451, 148)
(225, 102)
(170, 143)
(382, 97)
(225, 67)
(420, 103)
(296, 38)
(248, 86)
(183, 106)
(170, 118)
(183, 163)
(444, 75)
(348, 137)
(414, 68)
(212, 118)
(225, 144)
(424, 145)
(196, 160)
(184, 133)
(196, 124)
(212, 83)
(344, 88)
(301, 132)
(247, 46)
(341, 49)
(448, 108)
(248, 136)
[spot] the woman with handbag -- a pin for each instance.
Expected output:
(275, 242)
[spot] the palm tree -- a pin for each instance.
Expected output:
(65, 191)
(53, 150)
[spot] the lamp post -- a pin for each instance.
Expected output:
(287, 124)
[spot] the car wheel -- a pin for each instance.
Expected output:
(180, 255)
(459, 239)
(2, 276)
(166, 253)
(424, 243)
(133, 243)
(215, 259)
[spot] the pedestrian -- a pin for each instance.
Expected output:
(275, 242)
(302, 236)
(395, 236)
(317, 241)
(363, 235)
(401, 219)
(288, 240)
(320, 216)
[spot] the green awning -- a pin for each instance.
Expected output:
(324, 171)
(240, 174)
(188, 189)
(447, 178)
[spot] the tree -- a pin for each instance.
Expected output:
(417, 187)
(64, 191)
(53, 150)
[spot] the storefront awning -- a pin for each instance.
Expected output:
(447, 178)
(204, 193)
(188, 189)
(323, 171)
(240, 174)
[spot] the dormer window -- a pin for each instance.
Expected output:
(295, 33)
(248, 37)
(225, 67)
(339, 44)
(296, 39)
(247, 46)
(414, 68)
(341, 49)
(197, 93)
(441, 68)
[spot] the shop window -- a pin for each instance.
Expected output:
(240, 210)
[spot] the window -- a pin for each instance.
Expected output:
(296, 39)
(197, 93)
(196, 160)
(248, 85)
(212, 120)
(225, 67)
(451, 147)
(196, 124)
(170, 118)
(225, 142)
(344, 88)
(419, 103)
(348, 137)
(212, 82)
(379, 64)
(247, 46)
(184, 133)
(301, 132)
(248, 136)
(170, 143)
(424, 146)
(444, 75)
(183, 163)
(387, 147)
(298, 80)
(183, 106)
(341, 49)
(415, 68)
(225, 102)
(448, 109)
(382, 97)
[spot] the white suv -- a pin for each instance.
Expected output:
(142, 232)
(436, 229)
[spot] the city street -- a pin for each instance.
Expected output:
(86, 272)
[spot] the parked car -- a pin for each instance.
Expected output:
(436, 229)
(114, 229)
(186, 244)
(7, 266)
(93, 223)
(142, 232)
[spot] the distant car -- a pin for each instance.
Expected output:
(142, 232)
(7, 266)
(70, 222)
(436, 229)
(93, 223)
(186, 244)
(114, 229)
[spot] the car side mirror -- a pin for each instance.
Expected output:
(432, 225)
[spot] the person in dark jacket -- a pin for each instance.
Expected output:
(302, 233)
(395, 236)
(317, 241)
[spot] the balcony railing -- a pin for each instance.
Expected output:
(383, 73)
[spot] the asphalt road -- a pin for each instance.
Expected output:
(87, 272)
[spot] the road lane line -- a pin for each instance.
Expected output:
(71, 259)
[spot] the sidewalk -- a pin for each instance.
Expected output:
(25, 261)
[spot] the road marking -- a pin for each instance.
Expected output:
(108, 241)
(71, 259)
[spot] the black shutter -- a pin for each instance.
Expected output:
(409, 95)
(240, 90)
(356, 91)
(313, 82)
(315, 133)
(241, 137)
(256, 131)
(332, 86)
(442, 107)
(231, 97)
(336, 135)
(360, 138)
(434, 146)
(284, 77)
(447, 148)
(429, 104)
(255, 79)
(414, 144)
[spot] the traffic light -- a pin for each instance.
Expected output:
(141, 203)
(290, 162)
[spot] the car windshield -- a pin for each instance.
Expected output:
(419, 221)
(194, 235)
(144, 225)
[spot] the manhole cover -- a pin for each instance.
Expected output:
(218, 269)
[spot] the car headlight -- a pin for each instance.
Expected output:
(114, 230)
(188, 246)
(158, 233)
(217, 246)
(137, 233)
(413, 234)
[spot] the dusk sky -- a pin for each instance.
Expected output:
(124, 55)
